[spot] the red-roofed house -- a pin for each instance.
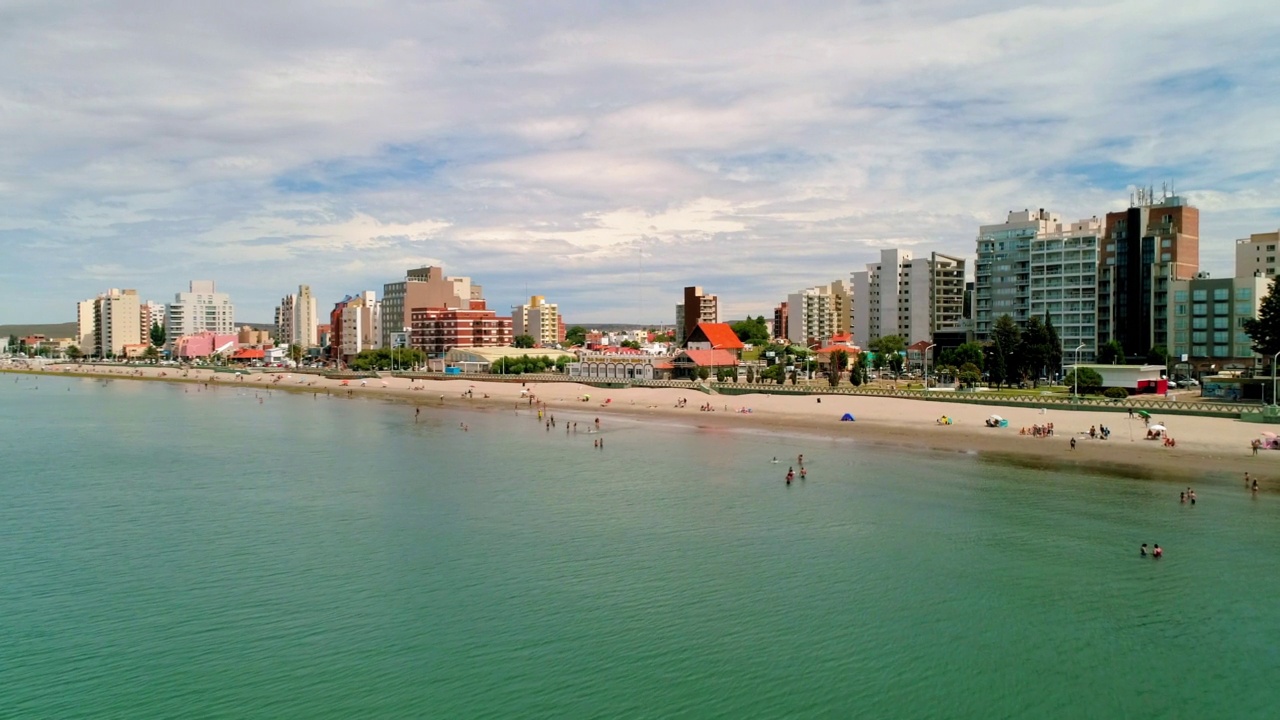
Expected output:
(248, 355)
(714, 336)
(915, 353)
(689, 362)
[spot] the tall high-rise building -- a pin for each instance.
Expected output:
(109, 322)
(697, 307)
(1064, 284)
(538, 319)
(907, 296)
(356, 325)
(781, 320)
(200, 309)
(1002, 275)
(842, 306)
(297, 319)
(86, 325)
(424, 287)
(1257, 254)
(149, 314)
(811, 316)
(1154, 242)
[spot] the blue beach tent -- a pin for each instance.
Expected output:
(847, 418)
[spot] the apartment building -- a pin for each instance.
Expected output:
(150, 314)
(1257, 254)
(698, 307)
(1151, 244)
(811, 316)
(356, 323)
(781, 320)
(116, 323)
(907, 296)
(297, 319)
(1207, 317)
(436, 331)
(1064, 283)
(201, 309)
(1002, 274)
(538, 319)
(424, 287)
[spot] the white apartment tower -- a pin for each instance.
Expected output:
(1064, 283)
(201, 309)
(906, 296)
(538, 319)
(811, 318)
(296, 319)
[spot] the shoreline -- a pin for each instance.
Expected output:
(1208, 449)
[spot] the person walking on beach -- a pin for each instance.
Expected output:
(1073, 443)
(1254, 444)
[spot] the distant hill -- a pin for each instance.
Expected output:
(53, 330)
(64, 330)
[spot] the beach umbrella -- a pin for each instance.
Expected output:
(996, 417)
(1268, 434)
(1145, 414)
(1158, 428)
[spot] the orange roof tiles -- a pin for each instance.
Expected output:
(720, 335)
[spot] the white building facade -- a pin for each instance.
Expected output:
(362, 324)
(1063, 283)
(1257, 254)
(811, 316)
(200, 309)
(907, 296)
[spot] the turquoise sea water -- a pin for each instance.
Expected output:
(173, 553)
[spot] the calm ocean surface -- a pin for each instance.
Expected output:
(173, 553)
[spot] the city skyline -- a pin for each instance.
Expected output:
(559, 150)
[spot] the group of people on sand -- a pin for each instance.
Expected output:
(681, 402)
(1040, 431)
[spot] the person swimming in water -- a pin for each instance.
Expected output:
(1143, 551)
(1157, 552)
(790, 474)
(775, 459)
(803, 473)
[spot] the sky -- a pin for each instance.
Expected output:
(601, 154)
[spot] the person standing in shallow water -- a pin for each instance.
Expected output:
(1156, 552)
(1142, 552)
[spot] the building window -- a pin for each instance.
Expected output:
(1244, 293)
(1221, 322)
(1244, 308)
(1180, 295)
(1181, 309)
(1221, 308)
(1166, 243)
(1199, 336)
(1222, 293)
(1221, 351)
(1165, 257)
(1222, 337)
(1199, 294)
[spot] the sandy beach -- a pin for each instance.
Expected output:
(1208, 449)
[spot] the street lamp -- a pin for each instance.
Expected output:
(809, 359)
(1273, 378)
(926, 366)
(1075, 373)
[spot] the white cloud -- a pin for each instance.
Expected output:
(747, 147)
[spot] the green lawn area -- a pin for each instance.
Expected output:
(752, 354)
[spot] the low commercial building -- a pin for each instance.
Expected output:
(203, 344)
(482, 359)
(1134, 378)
